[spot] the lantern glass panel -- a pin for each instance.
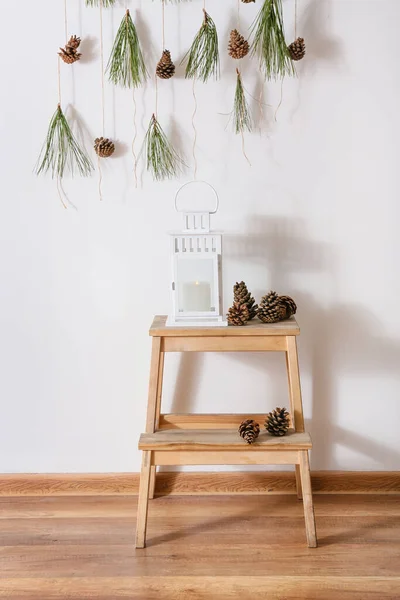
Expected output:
(195, 279)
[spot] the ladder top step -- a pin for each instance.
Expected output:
(253, 327)
(220, 439)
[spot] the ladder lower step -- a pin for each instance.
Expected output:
(220, 439)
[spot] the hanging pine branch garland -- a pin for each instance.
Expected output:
(203, 55)
(105, 3)
(162, 160)
(269, 41)
(241, 111)
(61, 150)
(126, 65)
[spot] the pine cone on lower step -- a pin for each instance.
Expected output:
(277, 422)
(249, 430)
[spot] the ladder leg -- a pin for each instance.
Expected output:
(298, 483)
(154, 403)
(143, 501)
(296, 405)
(153, 469)
(307, 499)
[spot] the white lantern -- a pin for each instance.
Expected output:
(196, 254)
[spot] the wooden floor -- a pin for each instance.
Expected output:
(207, 547)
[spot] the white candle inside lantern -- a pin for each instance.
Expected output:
(196, 296)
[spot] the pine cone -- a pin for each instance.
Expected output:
(297, 49)
(242, 295)
(289, 304)
(271, 310)
(103, 147)
(277, 422)
(238, 47)
(248, 1)
(69, 54)
(238, 314)
(165, 68)
(249, 430)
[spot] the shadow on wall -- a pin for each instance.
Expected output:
(336, 340)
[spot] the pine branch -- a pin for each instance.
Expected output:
(126, 64)
(241, 112)
(269, 41)
(106, 3)
(162, 160)
(203, 55)
(61, 150)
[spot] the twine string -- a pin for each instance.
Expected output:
(66, 21)
(100, 178)
(295, 19)
(59, 80)
(194, 129)
(238, 14)
(134, 138)
(244, 149)
(102, 66)
(163, 25)
(59, 191)
(280, 101)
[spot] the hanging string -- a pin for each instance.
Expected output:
(134, 138)
(280, 101)
(102, 66)
(295, 19)
(244, 150)
(194, 129)
(163, 25)
(59, 80)
(66, 21)
(238, 14)
(102, 94)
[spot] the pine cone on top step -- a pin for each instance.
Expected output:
(289, 304)
(242, 295)
(270, 309)
(165, 68)
(277, 422)
(238, 314)
(249, 430)
(297, 49)
(238, 47)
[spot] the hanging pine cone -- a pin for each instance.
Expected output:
(249, 430)
(242, 295)
(270, 309)
(238, 314)
(238, 47)
(277, 422)
(297, 49)
(69, 54)
(103, 147)
(247, 1)
(165, 68)
(289, 304)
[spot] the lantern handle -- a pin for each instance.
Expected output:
(201, 181)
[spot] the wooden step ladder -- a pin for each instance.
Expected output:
(198, 439)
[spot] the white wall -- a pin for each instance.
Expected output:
(316, 216)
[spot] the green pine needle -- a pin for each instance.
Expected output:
(241, 112)
(269, 41)
(203, 55)
(61, 150)
(106, 3)
(162, 160)
(126, 64)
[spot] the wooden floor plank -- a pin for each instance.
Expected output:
(220, 547)
(202, 588)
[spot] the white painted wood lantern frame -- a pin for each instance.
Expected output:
(196, 254)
